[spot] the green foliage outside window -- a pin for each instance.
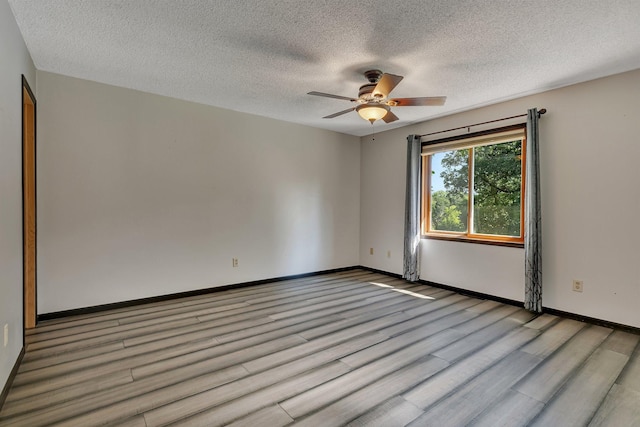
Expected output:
(496, 198)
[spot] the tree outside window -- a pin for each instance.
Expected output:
(476, 192)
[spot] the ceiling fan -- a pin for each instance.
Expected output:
(373, 98)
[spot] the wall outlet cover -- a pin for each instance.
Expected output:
(578, 286)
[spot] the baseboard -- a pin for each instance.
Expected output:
(131, 303)
(592, 320)
(450, 288)
(473, 294)
(552, 311)
(12, 376)
(386, 273)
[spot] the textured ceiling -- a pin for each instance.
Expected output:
(263, 56)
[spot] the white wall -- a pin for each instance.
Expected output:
(590, 146)
(142, 195)
(15, 61)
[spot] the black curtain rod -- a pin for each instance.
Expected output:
(540, 112)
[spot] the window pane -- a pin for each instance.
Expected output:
(497, 176)
(449, 190)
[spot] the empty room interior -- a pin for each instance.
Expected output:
(364, 213)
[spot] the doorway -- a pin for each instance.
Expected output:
(29, 204)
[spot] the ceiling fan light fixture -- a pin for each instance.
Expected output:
(372, 112)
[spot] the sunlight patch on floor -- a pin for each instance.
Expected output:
(402, 291)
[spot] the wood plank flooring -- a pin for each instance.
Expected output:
(352, 348)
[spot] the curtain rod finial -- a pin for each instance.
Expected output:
(542, 111)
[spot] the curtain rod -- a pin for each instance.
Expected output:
(541, 112)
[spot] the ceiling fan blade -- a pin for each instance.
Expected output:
(339, 113)
(390, 117)
(417, 102)
(386, 84)
(328, 95)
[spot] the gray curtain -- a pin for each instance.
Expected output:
(533, 229)
(412, 210)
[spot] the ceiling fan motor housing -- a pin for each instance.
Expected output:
(366, 92)
(373, 76)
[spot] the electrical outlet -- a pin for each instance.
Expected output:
(6, 334)
(234, 262)
(370, 251)
(578, 286)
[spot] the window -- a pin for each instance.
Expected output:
(474, 187)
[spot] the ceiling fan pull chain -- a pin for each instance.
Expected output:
(373, 132)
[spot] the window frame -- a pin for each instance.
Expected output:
(469, 236)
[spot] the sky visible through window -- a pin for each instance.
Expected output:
(437, 183)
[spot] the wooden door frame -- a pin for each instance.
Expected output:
(29, 296)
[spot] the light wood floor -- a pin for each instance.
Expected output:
(352, 348)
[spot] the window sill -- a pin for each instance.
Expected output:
(466, 239)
